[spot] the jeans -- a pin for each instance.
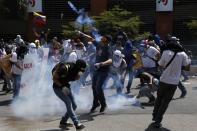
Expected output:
(69, 101)
(75, 86)
(130, 81)
(182, 88)
(118, 82)
(89, 70)
(97, 83)
(183, 73)
(16, 85)
(110, 75)
(165, 94)
(7, 81)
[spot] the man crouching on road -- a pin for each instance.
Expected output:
(63, 73)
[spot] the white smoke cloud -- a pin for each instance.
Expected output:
(37, 99)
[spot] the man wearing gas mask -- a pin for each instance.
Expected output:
(63, 73)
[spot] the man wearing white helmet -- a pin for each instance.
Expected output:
(118, 70)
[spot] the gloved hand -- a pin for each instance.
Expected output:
(65, 90)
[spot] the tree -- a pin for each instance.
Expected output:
(193, 25)
(10, 9)
(108, 23)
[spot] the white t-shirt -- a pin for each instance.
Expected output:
(148, 62)
(72, 57)
(67, 46)
(171, 75)
(15, 69)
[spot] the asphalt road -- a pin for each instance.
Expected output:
(120, 116)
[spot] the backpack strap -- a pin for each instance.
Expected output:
(171, 59)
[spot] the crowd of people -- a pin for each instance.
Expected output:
(157, 63)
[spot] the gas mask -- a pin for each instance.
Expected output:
(117, 60)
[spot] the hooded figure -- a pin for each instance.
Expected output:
(32, 48)
(18, 40)
(117, 58)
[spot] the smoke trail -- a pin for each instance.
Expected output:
(96, 35)
(82, 18)
(73, 7)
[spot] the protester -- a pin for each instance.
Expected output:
(63, 73)
(118, 70)
(17, 68)
(148, 87)
(18, 40)
(103, 60)
(173, 60)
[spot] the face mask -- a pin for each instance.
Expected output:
(32, 50)
(117, 60)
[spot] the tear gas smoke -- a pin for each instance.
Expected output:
(37, 99)
(96, 35)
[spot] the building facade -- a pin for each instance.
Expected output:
(172, 22)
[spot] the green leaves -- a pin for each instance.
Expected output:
(109, 22)
(193, 25)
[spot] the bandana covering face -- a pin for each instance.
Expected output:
(117, 60)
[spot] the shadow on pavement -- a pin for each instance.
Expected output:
(5, 103)
(151, 128)
(147, 104)
(2, 94)
(53, 130)
(194, 88)
(88, 117)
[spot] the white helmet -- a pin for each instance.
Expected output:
(32, 45)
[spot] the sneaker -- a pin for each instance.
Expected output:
(65, 125)
(151, 100)
(157, 124)
(184, 80)
(127, 92)
(94, 107)
(183, 95)
(79, 126)
(103, 108)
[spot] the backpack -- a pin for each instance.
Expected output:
(6, 65)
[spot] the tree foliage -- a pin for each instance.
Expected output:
(108, 23)
(193, 26)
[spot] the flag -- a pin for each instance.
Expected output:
(39, 19)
